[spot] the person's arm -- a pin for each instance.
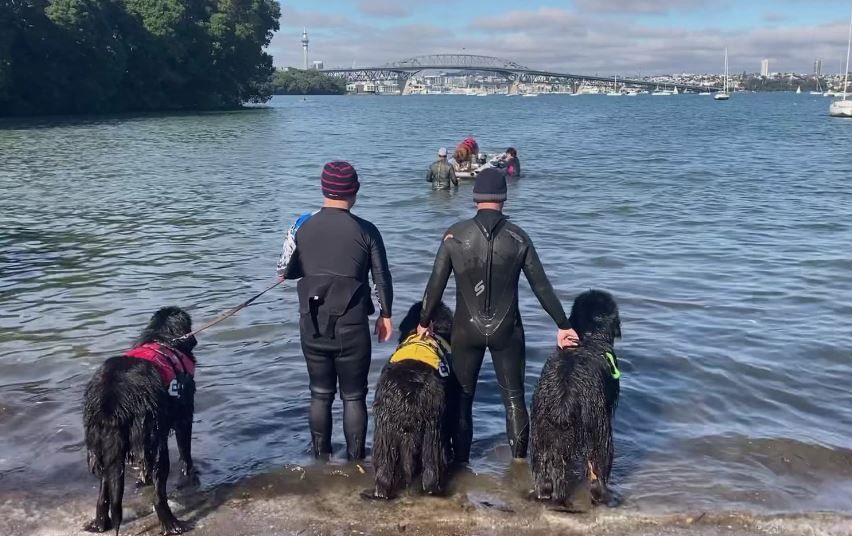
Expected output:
(381, 273)
(542, 288)
(289, 265)
(453, 178)
(429, 175)
(437, 282)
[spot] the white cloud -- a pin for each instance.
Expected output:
(569, 41)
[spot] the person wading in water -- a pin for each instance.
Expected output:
(487, 254)
(334, 252)
(441, 174)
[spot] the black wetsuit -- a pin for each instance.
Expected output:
(487, 255)
(335, 251)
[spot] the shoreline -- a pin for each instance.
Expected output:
(326, 500)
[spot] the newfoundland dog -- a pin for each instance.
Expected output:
(130, 406)
(573, 406)
(411, 408)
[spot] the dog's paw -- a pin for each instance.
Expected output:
(98, 525)
(373, 495)
(144, 481)
(171, 527)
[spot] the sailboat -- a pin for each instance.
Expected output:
(799, 90)
(724, 95)
(614, 92)
(675, 92)
(818, 89)
(843, 107)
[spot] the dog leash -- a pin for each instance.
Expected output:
(230, 312)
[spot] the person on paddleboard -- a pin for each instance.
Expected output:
(487, 255)
(332, 253)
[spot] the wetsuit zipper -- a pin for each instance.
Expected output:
(488, 275)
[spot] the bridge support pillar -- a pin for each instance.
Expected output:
(403, 81)
(514, 84)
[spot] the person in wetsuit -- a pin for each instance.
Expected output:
(335, 251)
(441, 173)
(511, 163)
(487, 255)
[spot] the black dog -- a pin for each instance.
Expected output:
(130, 406)
(573, 406)
(412, 434)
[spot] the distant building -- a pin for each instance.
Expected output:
(764, 68)
(317, 65)
(817, 66)
(305, 47)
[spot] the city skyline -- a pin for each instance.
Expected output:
(584, 36)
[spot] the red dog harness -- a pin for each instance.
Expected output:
(169, 362)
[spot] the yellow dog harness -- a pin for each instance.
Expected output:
(432, 351)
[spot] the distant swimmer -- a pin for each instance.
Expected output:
(334, 253)
(487, 254)
(441, 174)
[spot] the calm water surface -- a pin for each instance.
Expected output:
(723, 230)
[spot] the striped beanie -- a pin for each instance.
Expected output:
(490, 186)
(339, 180)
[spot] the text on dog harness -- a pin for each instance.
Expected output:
(176, 368)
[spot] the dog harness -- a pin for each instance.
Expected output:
(432, 351)
(176, 368)
(613, 365)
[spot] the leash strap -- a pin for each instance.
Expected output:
(229, 313)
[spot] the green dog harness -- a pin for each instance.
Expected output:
(616, 374)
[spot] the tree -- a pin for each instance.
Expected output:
(300, 82)
(82, 56)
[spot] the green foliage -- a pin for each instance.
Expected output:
(84, 56)
(759, 83)
(299, 82)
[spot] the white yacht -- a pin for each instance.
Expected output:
(614, 92)
(724, 95)
(843, 107)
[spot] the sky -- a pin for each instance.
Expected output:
(631, 37)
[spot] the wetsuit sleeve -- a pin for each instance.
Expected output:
(429, 175)
(381, 272)
(437, 283)
(543, 289)
(293, 269)
(453, 178)
(289, 264)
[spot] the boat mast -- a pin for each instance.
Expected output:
(848, 48)
(726, 69)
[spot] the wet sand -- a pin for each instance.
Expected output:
(300, 501)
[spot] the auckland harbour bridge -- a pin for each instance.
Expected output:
(402, 72)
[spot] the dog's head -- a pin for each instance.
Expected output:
(595, 313)
(167, 326)
(442, 322)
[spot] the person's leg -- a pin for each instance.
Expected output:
(508, 352)
(468, 351)
(323, 384)
(353, 366)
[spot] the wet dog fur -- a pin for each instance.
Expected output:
(573, 407)
(411, 409)
(127, 416)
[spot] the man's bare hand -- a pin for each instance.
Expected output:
(423, 332)
(384, 329)
(567, 338)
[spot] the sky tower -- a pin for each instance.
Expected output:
(305, 47)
